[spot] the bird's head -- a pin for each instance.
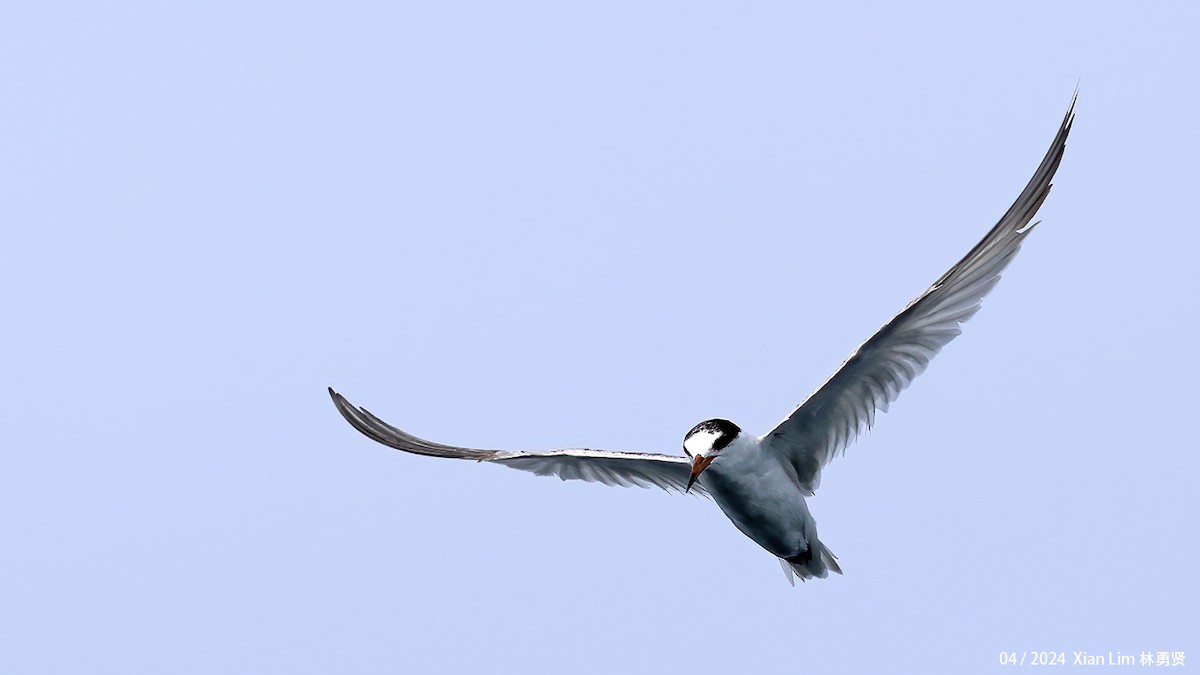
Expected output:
(705, 442)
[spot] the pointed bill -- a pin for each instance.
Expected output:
(699, 464)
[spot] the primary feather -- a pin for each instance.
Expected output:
(880, 368)
(611, 468)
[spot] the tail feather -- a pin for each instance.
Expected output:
(807, 565)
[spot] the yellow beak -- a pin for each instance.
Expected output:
(699, 464)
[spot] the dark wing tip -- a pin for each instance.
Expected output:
(347, 410)
(381, 432)
(1069, 118)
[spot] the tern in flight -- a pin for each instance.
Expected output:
(761, 482)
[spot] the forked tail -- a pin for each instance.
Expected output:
(806, 565)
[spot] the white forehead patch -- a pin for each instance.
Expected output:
(701, 442)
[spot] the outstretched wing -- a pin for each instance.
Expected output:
(611, 468)
(883, 366)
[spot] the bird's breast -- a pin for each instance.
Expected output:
(763, 502)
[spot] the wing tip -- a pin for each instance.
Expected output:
(339, 401)
(347, 409)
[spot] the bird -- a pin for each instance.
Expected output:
(762, 483)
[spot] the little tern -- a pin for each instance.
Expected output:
(761, 482)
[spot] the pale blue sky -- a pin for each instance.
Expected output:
(533, 225)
